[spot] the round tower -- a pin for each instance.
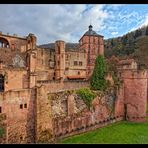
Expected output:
(59, 60)
(135, 95)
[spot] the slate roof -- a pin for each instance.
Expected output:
(90, 32)
(68, 46)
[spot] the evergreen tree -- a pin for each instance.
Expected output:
(138, 33)
(146, 30)
(98, 81)
(112, 43)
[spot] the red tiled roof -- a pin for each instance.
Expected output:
(76, 77)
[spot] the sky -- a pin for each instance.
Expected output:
(68, 22)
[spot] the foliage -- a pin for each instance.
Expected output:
(98, 81)
(146, 32)
(121, 132)
(125, 45)
(147, 108)
(86, 95)
(2, 131)
(45, 136)
(117, 81)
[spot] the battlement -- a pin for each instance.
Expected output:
(15, 42)
(12, 36)
(134, 74)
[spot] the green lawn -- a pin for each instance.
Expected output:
(121, 132)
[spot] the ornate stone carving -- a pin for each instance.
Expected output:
(18, 61)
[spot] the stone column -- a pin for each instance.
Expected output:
(71, 105)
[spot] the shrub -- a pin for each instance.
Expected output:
(86, 95)
(2, 131)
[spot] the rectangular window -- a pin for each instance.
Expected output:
(1, 83)
(50, 54)
(25, 105)
(93, 40)
(58, 63)
(0, 109)
(21, 106)
(41, 52)
(66, 57)
(75, 63)
(80, 63)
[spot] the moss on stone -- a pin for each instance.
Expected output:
(86, 95)
(2, 132)
(45, 136)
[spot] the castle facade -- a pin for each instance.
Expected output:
(31, 74)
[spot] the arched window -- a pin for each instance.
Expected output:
(4, 43)
(1, 83)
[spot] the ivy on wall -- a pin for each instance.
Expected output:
(2, 132)
(86, 95)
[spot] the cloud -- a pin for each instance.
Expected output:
(114, 33)
(67, 22)
(51, 22)
(142, 23)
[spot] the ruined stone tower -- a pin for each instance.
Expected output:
(32, 68)
(93, 44)
(135, 95)
(31, 39)
(59, 59)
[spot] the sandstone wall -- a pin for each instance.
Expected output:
(135, 95)
(16, 79)
(3, 127)
(44, 128)
(64, 113)
(19, 107)
(119, 103)
(56, 86)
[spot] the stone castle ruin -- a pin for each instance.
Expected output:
(38, 99)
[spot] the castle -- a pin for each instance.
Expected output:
(35, 104)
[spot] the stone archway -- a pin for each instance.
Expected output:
(4, 43)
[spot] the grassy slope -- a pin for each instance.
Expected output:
(123, 132)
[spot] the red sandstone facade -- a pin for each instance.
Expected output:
(30, 73)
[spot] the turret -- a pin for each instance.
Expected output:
(32, 67)
(31, 39)
(59, 60)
